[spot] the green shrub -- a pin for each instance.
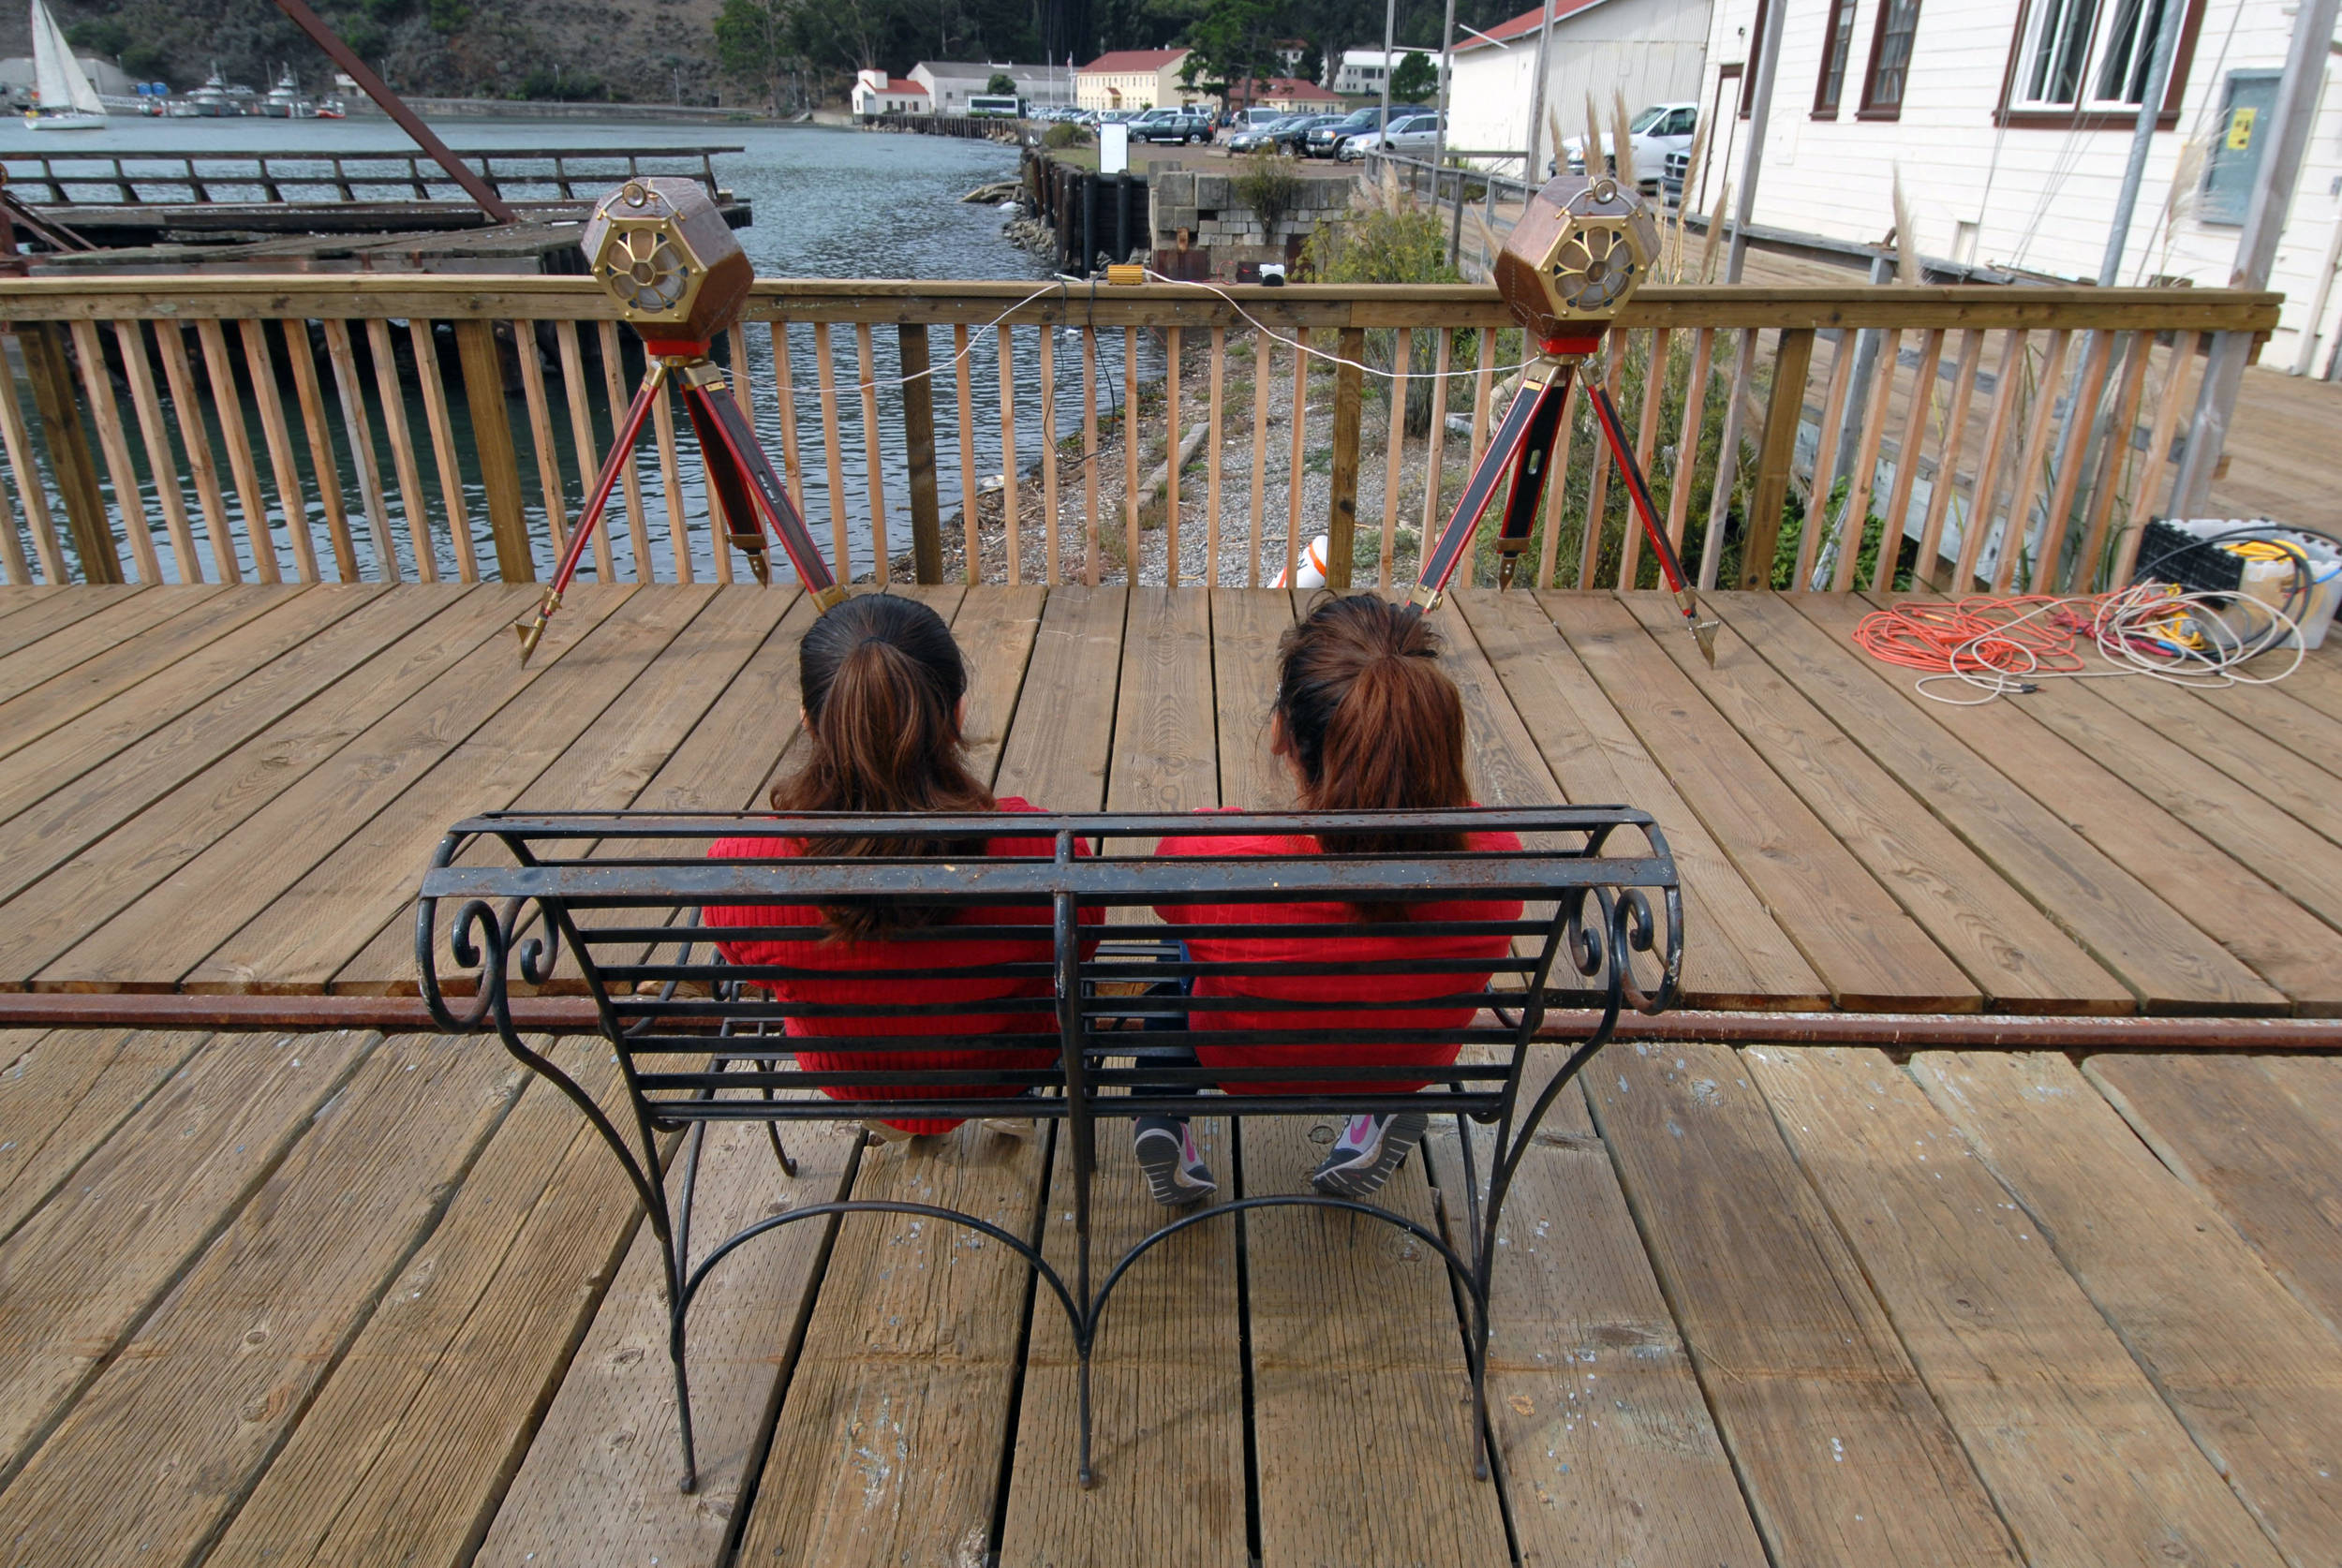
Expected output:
(1269, 187)
(1064, 134)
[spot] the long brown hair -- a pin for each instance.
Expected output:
(1372, 722)
(882, 680)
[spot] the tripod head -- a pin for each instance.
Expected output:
(662, 249)
(1582, 246)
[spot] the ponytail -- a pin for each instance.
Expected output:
(882, 680)
(1373, 723)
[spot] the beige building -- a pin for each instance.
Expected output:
(1133, 79)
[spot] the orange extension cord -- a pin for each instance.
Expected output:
(2007, 636)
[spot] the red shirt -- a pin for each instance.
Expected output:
(1332, 988)
(842, 958)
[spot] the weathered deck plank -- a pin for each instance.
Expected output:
(62, 1095)
(2251, 1371)
(2082, 1458)
(1843, 1454)
(38, 613)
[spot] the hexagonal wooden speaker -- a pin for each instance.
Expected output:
(1581, 247)
(662, 249)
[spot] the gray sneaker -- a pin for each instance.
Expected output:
(1368, 1152)
(1166, 1151)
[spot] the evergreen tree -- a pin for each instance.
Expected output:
(1414, 78)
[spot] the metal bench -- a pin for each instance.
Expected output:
(609, 905)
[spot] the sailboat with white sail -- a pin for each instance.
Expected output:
(63, 97)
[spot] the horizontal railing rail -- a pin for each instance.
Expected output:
(385, 428)
(181, 175)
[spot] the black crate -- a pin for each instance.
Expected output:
(2168, 554)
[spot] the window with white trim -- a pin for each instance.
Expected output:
(2084, 55)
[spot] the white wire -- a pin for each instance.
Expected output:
(1302, 347)
(1052, 287)
(2118, 623)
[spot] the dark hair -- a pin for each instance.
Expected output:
(880, 680)
(1373, 721)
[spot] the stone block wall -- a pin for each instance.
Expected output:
(1223, 226)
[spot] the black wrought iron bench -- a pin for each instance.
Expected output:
(610, 905)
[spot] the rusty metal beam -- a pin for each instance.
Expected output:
(1887, 1030)
(395, 107)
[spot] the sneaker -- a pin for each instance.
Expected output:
(1166, 1151)
(1368, 1152)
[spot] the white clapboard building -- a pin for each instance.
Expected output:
(2011, 122)
(1651, 51)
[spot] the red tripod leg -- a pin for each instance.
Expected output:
(1638, 491)
(741, 519)
(749, 469)
(597, 501)
(1536, 407)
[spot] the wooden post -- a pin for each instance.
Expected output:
(1341, 520)
(50, 371)
(1791, 361)
(491, 434)
(926, 523)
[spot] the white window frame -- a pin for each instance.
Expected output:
(2049, 18)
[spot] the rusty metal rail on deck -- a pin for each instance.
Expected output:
(360, 422)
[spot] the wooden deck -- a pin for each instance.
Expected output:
(340, 1298)
(234, 789)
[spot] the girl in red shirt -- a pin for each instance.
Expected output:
(1365, 720)
(883, 687)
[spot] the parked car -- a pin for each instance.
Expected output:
(1325, 141)
(1173, 124)
(1410, 135)
(1658, 131)
(1254, 138)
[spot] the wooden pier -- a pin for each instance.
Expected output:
(1772, 1304)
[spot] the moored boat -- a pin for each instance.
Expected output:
(63, 98)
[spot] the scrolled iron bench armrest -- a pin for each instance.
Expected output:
(610, 903)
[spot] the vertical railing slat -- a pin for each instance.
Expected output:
(1300, 454)
(2136, 347)
(128, 498)
(392, 393)
(1985, 492)
(630, 476)
(671, 473)
(871, 453)
(491, 420)
(1727, 459)
(1131, 429)
(918, 390)
(1940, 490)
(1171, 458)
(34, 495)
(1908, 457)
(1435, 455)
(785, 388)
(972, 567)
(1051, 568)
(1089, 455)
(422, 337)
(1687, 438)
(180, 376)
(342, 355)
(548, 457)
(1260, 458)
(228, 402)
(261, 364)
(1004, 339)
(1557, 482)
(1212, 460)
(1597, 477)
(47, 367)
(2081, 416)
(1825, 460)
(1793, 358)
(15, 569)
(162, 459)
(2027, 483)
(1855, 521)
(825, 375)
(1393, 461)
(589, 454)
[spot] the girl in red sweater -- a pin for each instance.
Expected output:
(883, 687)
(1365, 720)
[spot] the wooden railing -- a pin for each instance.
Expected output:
(74, 177)
(384, 428)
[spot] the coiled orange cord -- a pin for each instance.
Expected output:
(2010, 636)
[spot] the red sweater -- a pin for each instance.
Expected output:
(911, 950)
(1332, 988)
